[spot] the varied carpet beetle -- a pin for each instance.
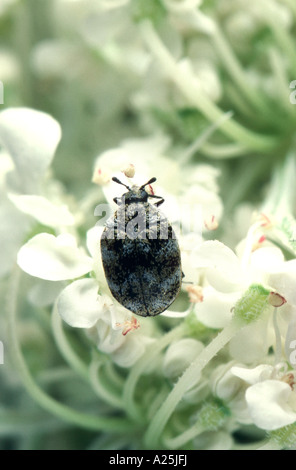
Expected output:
(140, 254)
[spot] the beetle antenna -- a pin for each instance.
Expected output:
(116, 180)
(152, 180)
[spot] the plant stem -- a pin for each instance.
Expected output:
(201, 140)
(279, 72)
(65, 413)
(224, 151)
(104, 392)
(284, 39)
(190, 89)
(14, 423)
(236, 72)
(142, 365)
(184, 437)
(155, 429)
(65, 348)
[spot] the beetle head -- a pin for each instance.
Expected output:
(135, 193)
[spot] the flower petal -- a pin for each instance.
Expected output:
(252, 376)
(79, 304)
(268, 404)
(43, 210)
(53, 258)
(31, 138)
(223, 382)
(93, 237)
(283, 281)
(209, 203)
(179, 356)
(131, 349)
(223, 269)
(251, 343)
(267, 259)
(215, 309)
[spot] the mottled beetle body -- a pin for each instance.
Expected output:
(140, 254)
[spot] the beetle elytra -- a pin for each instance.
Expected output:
(140, 253)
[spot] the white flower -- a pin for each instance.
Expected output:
(80, 304)
(215, 308)
(190, 193)
(283, 280)
(187, 16)
(228, 276)
(179, 356)
(231, 391)
(43, 210)
(142, 153)
(29, 139)
(252, 342)
(108, 27)
(227, 273)
(110, 338)
(270, 396)
(54, 258)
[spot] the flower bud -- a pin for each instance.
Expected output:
(100, 176)
(179, 356)
(129, 171)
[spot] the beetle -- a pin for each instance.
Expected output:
(140, 253)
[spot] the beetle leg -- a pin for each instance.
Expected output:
(157, 204)
(185, 282)
(117, 200)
